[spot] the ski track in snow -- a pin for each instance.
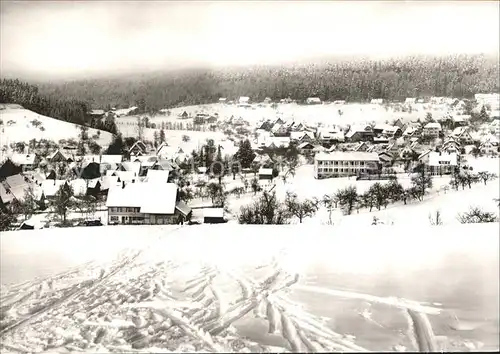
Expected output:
(137, 304)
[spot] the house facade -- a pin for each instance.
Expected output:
(344, 164)
(442, 163)
(432, 130)
(146, 203)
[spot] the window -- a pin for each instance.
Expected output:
(335, 170)
(336, 163)
(362, 163)
(114, 218)
(320, 163)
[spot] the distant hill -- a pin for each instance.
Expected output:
(22, 125)
(355, 80)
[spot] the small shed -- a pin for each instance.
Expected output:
(265, 174)
(213, 216)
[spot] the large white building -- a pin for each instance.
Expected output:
(344, 164)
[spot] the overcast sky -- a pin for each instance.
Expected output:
(65, 38)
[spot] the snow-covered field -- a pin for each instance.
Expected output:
(175, 138)
(17, 127)
(326, 114)
(224, 287)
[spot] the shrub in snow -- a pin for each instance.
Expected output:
(477, 215)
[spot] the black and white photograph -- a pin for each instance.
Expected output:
(249, 176)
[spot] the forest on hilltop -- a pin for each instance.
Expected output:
(357, 80)
(458, 76)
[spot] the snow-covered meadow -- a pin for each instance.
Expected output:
(218, 287)
(326, 114)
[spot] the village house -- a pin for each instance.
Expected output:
(360, 133)
(492, 100)
(222, 100)
(377, 101)
(450, 146)
(313, 100)
(138, 149)
(305, 146)
(265, 125)
(442, 163)
(146, 203)
(8, 168)
(344, 164)
(27, 162)
(432, 130)
(329, 136)
(50, 187)
(462, 135)
(302, 137)
(399, 123)
(59, 157)
(265, 174)
(385, 158)
(157, 176)
(494, 127)
(97, 114)
(279, 130)
(213, 216)
(6, 197)
(489, 146)
(16, 186)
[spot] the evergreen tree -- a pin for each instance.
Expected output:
(117, 147)
(245, 154)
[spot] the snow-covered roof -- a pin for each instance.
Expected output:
(265, 171)
(79, 186)
(130, 166)
(109, 182)
(432, 125)
(23, 159)
(124, 111)
(124, 176)
(347, 156)
(111, 159)
(55, 153)
(157, 176)
(213, 212)
(439, 159)
(90, 158)
(304, 144)
(151, 198)
(97, 112)
(410, 131)
(244, 99)
(51, 186)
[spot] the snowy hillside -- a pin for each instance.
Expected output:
(22, 125)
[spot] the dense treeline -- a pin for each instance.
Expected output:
(66, 109)
(458, 76)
